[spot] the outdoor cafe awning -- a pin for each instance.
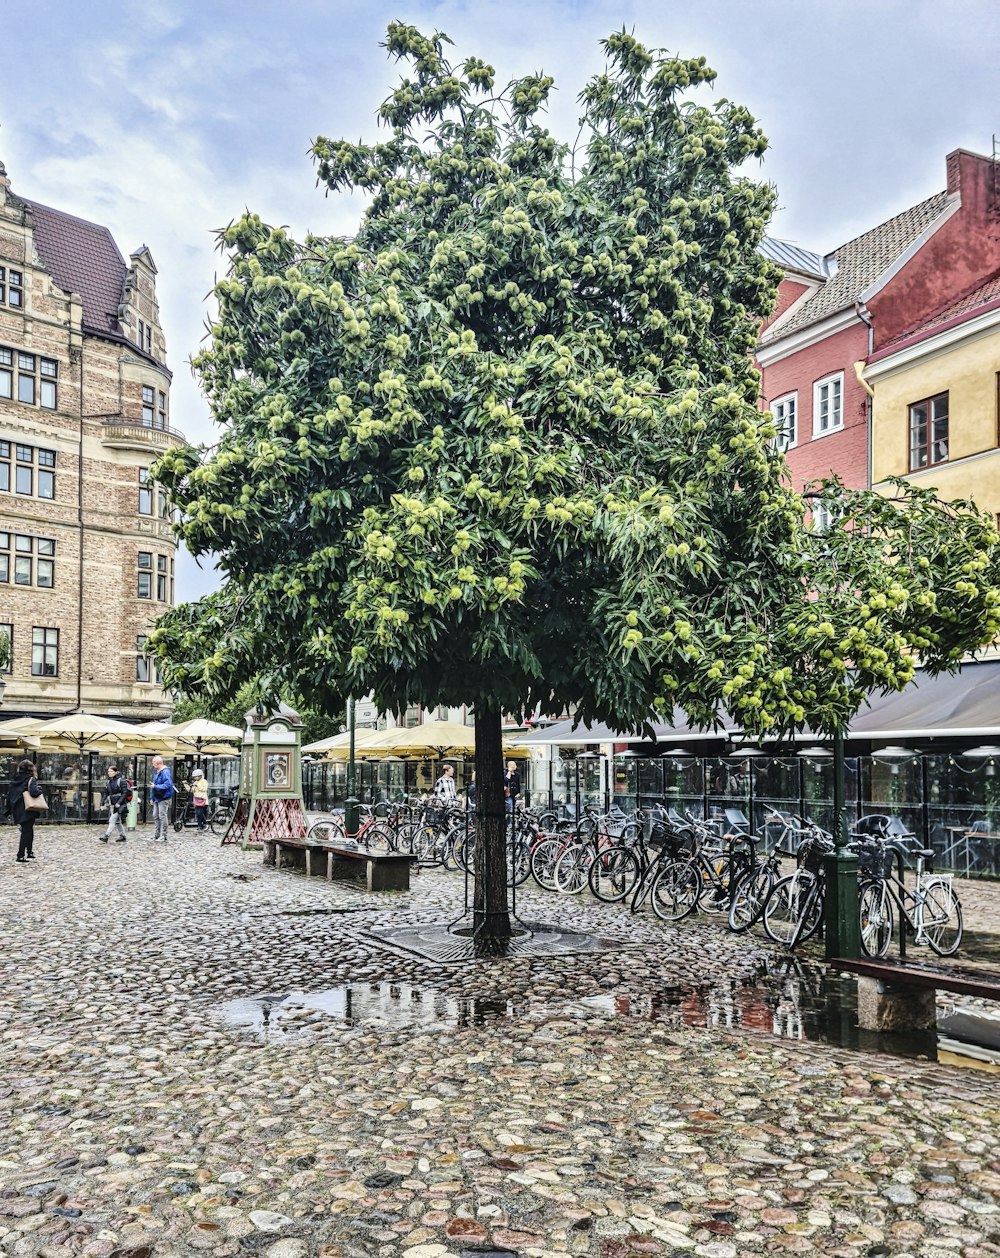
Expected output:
(963, 705)
(565, 735)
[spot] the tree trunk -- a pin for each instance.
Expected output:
(491, 916)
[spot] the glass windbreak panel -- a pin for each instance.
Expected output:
(729, 781)
(776, 799)
(591, 781)
(894, 788)
(963, 813)
(563, 786)
(649, 780)
(624, 779)
(684, 784)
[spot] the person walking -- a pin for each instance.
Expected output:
(162, 791)
(26, 780)
(115, 799)
(470, 794)
(199, 793)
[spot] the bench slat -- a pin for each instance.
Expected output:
(986, 986)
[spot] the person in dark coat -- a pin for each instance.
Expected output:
(25, 780)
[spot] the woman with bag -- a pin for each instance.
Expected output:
(25, 802)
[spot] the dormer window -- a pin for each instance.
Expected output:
(145, 337)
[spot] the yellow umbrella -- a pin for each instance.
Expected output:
(339, 747)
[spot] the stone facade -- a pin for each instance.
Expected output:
(86, 550)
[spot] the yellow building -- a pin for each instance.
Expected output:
(936, 392)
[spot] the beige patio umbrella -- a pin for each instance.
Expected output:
(196, 733)
(12, 731)
(84, 731)
(433, 739)
(339, 746)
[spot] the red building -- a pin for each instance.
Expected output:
(836, 309)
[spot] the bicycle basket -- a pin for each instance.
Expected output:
(812, 854)
(665, 836)
(875, 860)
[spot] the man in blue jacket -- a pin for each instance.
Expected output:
(162, 791)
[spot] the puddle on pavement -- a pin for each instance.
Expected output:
(790, 999)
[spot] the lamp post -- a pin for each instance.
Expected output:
(351, 803)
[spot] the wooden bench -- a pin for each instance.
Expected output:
(986, 986)
(894, 996)
(382, 871)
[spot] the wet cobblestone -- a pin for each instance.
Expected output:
(136, 1120)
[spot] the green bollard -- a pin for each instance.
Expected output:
(841, 925)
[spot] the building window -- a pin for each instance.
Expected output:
(44, 652)
(145, 337)
(783, 409)
(143, 665)
(144, 587)
(29, 470)
(822, 517)
(11, 287)
(412, 717)
(145, 492)
(153, 417)
(36, 382)
(929, 432)
(161, 578)
(8, 630)
(828, 404)
(27, 560)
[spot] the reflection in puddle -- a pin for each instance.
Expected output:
(383, 1004)
(790, 999)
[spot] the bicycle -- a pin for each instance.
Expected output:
(751, 891)
(612, 829)
(373, 833)
(793, 910)
(932, 912)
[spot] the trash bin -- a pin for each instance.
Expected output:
(133, 815)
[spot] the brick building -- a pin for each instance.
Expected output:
(86, 550)
(835, 311)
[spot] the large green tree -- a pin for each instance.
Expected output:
(504, 445)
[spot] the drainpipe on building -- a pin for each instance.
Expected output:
(865, 318)
(79, 520)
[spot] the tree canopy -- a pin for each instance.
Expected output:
(505, 447)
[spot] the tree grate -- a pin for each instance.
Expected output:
(454, 944)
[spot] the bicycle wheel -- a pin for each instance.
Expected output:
(675, 890)
(572, 867)
(518, 862)
(405, 835)
(613, 874)
(794, 909)
(325, 831)
(749, 896)
(542, 864)
(631, 835)
(427, 845)
(219, 820)
(876, 919)
(943, 923)
(379, 838)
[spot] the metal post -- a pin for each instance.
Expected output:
(841, 899)
(351, 803)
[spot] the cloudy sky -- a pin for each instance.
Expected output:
(164, 118)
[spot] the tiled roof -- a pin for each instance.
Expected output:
(82, 258)
(792, 258)
(859, 263)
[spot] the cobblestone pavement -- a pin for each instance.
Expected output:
(497, 1107)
